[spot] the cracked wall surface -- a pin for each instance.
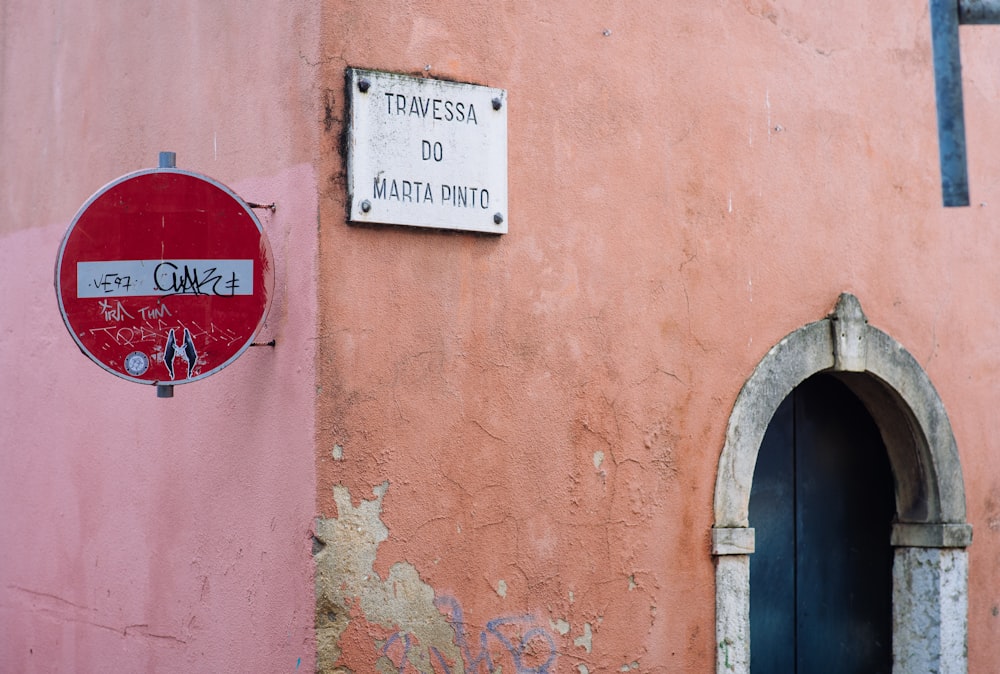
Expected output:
(549, 406)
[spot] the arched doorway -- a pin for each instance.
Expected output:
(929, 535)
(821, 507)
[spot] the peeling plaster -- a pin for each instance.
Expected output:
(399, 624)
(587, 640)
(348, 588)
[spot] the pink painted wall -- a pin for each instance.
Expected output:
(141, 534)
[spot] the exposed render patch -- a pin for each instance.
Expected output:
(347, 585)
(587, 640)
(400, 619)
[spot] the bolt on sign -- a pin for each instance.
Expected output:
(426, 153)
(164, 277)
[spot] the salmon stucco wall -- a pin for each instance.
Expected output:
(137, 533)
(518, 435)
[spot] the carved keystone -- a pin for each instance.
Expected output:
(848, 322)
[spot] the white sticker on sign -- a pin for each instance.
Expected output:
(160, 278)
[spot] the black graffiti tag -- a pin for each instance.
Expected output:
(187, 280)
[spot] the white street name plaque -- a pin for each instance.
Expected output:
(426, 153)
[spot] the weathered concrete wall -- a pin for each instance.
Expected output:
(141, 534)
(689, 182)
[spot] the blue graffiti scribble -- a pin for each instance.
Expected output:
(407, 643)
(514, 634)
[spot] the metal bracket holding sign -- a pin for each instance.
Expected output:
(426, 153)
(946, 16)
(164, 277)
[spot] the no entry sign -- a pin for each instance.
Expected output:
(164, 277)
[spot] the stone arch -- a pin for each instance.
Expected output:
(930, 535)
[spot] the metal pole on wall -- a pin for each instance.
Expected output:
(946, 16)
(167, 160)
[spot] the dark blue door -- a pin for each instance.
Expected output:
(822, 507)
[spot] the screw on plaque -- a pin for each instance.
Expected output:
(498, 218)
(366, 206)
(497, 103)
(363, 85)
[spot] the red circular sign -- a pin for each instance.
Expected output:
(164, 277)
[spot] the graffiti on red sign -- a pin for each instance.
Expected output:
(164, 275)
